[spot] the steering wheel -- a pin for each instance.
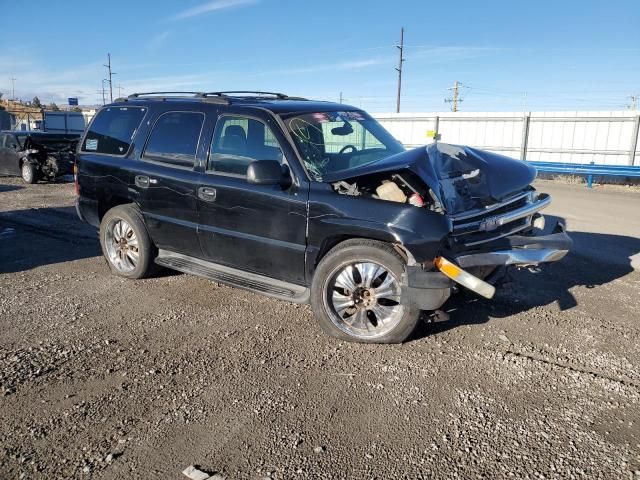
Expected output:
(343, 149)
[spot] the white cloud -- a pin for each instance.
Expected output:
(213, 6)
(325, 67)
(159, 39)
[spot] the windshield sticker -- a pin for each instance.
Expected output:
(92, 144)
(323, 117)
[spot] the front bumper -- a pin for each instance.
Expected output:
(429, 290)
(522, 250)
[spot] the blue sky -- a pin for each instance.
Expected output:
(510, 55)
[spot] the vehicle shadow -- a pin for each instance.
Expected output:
(595, 259)
(10, 188)
(41, 236)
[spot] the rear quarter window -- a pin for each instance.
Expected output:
(112, 130)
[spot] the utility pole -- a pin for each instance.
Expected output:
(634, 101)
(13, 88)
(108, 65)
(399, 69)
(340, 98)
(119, 87)
(456, 96)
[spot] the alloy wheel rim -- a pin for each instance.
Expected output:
(26, 173)
(364, 299)
(122, 246)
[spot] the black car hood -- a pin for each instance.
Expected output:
(462, 178)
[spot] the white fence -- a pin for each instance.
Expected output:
(573, 137)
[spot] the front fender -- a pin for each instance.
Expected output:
(334, 217)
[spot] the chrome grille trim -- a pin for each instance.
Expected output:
(490, 208)
(480, 226)
(488, 224)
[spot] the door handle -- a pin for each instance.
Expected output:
(208, 194)
(143, 181)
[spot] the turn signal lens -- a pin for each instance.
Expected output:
(464, 278)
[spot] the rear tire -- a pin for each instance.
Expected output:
(126, 244)
(356, 294)
(28, 172)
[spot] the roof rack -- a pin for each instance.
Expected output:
(218, 97)
(256, 93)
(151, 94)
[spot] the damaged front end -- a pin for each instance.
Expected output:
(52, 155)
(493, 210)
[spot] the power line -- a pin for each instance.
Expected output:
(455, 99)
(399, 69)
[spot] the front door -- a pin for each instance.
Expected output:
(166, 181)
(257, 228)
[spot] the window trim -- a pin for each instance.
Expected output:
(171, 165)
(207, 171)
(133, 134)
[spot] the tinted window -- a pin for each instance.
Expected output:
(112, 130)
(11, 142)
(174, 138)
(239, 141)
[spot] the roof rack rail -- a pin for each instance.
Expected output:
(149, 94)
(258, 93)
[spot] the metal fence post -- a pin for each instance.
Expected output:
(525, 136)
(436, 129)
(634, 140)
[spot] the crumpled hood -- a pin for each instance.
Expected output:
(463, 178)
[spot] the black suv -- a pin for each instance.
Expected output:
(306, 201)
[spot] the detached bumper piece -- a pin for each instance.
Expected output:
(523, 251)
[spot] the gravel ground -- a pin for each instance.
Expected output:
(102, 377)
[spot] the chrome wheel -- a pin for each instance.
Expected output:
(27, 172)
(122, 246)
(363, 299)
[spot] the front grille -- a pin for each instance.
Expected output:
(499, 220)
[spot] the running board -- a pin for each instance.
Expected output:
(234, 277)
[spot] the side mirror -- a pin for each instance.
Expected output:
(265, 172)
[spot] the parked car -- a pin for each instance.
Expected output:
(306, 201)
(37, 155)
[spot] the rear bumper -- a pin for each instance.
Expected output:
(523, 250)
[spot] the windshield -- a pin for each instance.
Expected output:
(330, 142)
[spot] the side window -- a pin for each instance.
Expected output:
(112, 130)
(238, 141)
(174, 138)
(11, 142)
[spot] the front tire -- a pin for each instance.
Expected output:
(29, 173)
(126, 244)
(356, 294)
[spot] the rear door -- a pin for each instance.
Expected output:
(166, 181)
(3, 166)
(257, 228)
(9, 160)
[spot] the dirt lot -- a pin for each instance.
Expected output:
(106, 378)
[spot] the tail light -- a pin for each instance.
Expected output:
(76, 186)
